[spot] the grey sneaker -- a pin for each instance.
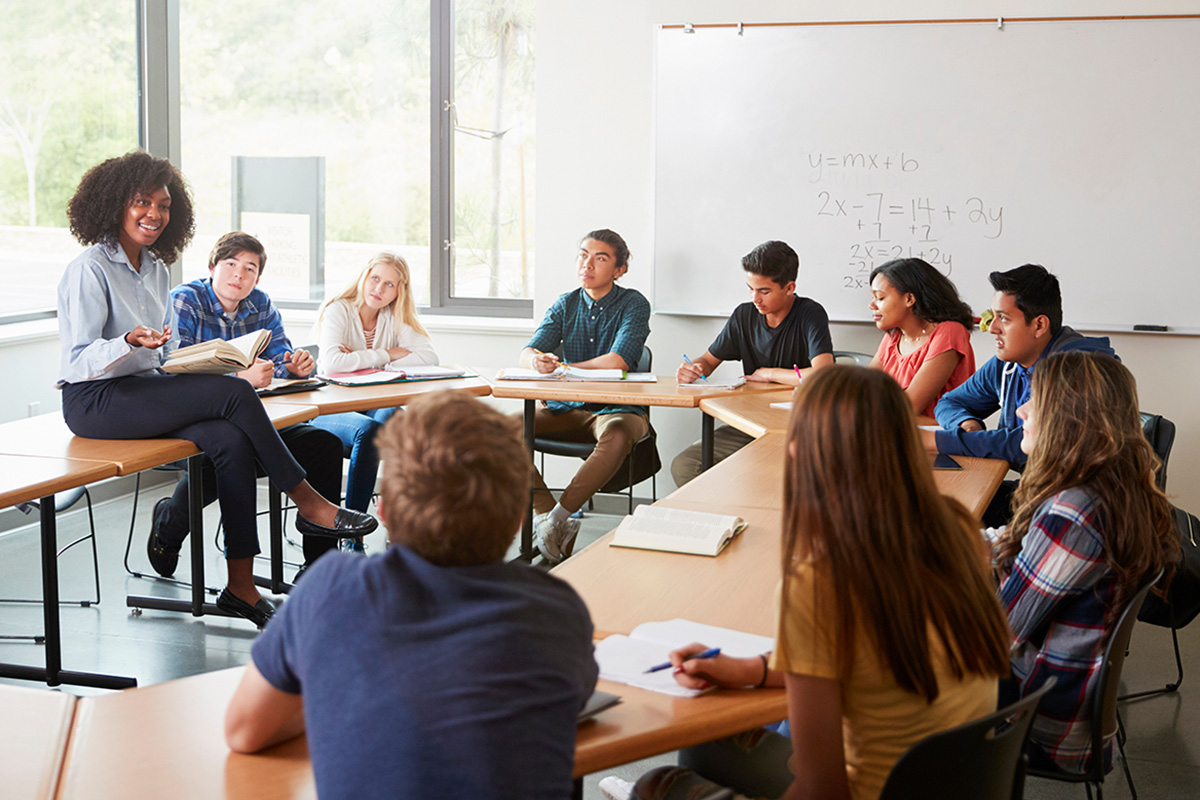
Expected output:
(555, 541)
(614, 788)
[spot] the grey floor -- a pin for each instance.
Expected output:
(157, 646)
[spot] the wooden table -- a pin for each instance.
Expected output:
(33, 739)
(751, 413)
(25, 478)
(663, 392)
(168, 740)
(331, 399)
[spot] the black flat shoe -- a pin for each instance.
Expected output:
(260, 613)
(346, 525)
(163, 557)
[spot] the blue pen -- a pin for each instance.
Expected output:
(703, 377)
(710, 653)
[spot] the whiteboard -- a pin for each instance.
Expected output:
(1075, 145)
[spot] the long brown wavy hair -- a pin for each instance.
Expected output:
(861, 506)
(1089, 434)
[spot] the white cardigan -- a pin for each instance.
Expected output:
(341, 325)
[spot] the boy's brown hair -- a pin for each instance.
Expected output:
(236, 242)
(456, 477)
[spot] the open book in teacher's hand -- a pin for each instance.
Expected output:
(626, 659)
(677, 530)
(219, 356)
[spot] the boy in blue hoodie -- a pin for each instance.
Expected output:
(1027, 324)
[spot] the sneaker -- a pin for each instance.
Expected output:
(614, 788)
(555, 541)
(352, 546)
(163, 557)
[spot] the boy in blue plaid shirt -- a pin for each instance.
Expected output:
(225, 305)
(598, 326)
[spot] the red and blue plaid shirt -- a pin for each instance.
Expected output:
(1057, 594)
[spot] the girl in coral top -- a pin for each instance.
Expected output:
(927, 344)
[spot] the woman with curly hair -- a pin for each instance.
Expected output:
(926, 346)
(371, 324)
(1090, 528)
(135, 212)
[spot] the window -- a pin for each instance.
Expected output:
(68, 100)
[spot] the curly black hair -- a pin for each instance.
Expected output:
(97, 209)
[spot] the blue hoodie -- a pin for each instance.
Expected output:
(1002, 385)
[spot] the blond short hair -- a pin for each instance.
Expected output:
(456, 478)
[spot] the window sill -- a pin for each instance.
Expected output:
(299, 323)
(17, 333)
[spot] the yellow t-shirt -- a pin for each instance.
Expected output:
(880, 720)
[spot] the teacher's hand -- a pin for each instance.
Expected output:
(141, 336)
(259, 374)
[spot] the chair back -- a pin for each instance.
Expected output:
(1160, 432)
(1104, 702)
(983, 760)
(851, 357)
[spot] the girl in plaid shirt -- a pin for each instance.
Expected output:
(1089, 526)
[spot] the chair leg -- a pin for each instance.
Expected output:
(1125, 766)
(1170, 687)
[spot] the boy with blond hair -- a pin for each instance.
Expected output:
(434, 669)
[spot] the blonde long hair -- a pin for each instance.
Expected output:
(860, 504)
(403, 308)
(1090, 435)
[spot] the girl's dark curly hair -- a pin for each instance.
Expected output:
(936, 297)
(97, 210)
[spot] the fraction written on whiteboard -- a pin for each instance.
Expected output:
(884, 226)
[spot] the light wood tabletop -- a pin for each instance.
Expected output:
(25, 478)
(663, 392)
(168, 740)
(331, 399)
(34, 725)
(48, 435)
(751, 413)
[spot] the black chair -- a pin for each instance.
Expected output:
(62, 502)
(642, 462)
(851, 357)
(981, 760)
(1160, 432)
(1104, 704)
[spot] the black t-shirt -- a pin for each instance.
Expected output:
(746, 337)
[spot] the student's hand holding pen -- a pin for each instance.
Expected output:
(299, 362)
(688, 372)
(141, 336)
(721, 670)
(545, 362)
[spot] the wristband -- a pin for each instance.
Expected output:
(763, 682)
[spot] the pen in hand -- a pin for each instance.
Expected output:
(710, 653)
(703, 377)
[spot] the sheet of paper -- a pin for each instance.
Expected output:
(786, 406)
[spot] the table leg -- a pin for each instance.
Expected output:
(706, 441)
(527, 526)
(275, 503)
(53, 673)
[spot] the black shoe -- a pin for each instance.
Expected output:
(260, 613)
(346, 525)
(163, 557)
(299, 573)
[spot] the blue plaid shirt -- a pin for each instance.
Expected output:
(195, 315)
(1056, 595)
(585, 329)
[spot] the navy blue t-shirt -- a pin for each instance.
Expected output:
(746, 337)
(427, 681)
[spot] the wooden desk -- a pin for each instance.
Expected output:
(331, 399)
(25, 478)
(33, 738)
(751, 413)
(168, 740)
(663, 392)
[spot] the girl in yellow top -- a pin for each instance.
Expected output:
(889, 629)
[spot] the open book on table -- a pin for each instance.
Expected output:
(394, 373)
(715, 383)
(625, 659)
(569, 373)
(219, 356)
(677, 530)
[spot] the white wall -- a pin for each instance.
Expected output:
(596, 166)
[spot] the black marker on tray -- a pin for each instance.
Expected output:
(1151, 328)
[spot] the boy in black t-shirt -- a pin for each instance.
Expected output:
(774, 335)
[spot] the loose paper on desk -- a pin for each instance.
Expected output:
(625, 659)
(569, 373)
(371, 377)
(219, 356)
(425, 372)
(677, 530)
(784, 406)
(709, 383)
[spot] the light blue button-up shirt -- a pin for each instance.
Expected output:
(100, 299)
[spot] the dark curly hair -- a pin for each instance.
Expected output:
(97, 209)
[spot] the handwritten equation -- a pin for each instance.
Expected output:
(884, 226)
